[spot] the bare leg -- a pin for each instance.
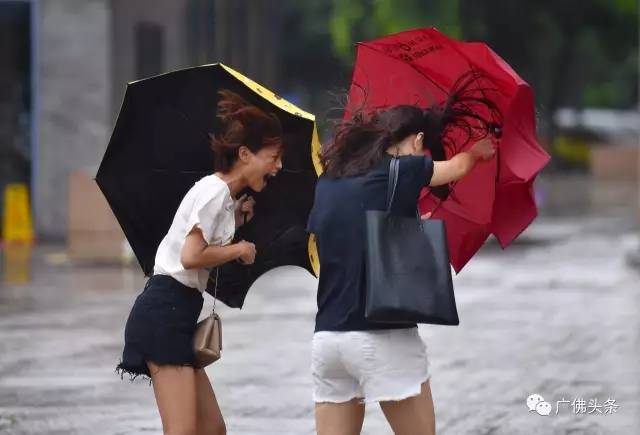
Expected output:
(344, 418)
(412, 416)
(175, 391)
(210, 421)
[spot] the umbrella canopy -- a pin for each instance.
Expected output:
(160, 147)
(421, 67)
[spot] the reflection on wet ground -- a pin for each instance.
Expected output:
(16, 264)
(555, 315)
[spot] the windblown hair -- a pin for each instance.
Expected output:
(241, 124)
(359, 143)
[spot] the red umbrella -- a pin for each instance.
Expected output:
(513, 211)
(420, 67)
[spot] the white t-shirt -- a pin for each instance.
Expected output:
(209, 205)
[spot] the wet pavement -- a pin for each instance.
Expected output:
(555, 315)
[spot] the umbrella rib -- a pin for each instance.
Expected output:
(283, 170)
(180, 171)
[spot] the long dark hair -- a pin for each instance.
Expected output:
(359, 143)
(241, 124)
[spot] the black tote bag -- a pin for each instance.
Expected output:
(407, 267)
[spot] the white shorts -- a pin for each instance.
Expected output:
(374, 366)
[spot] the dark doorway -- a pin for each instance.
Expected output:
(149, 49)
(15, 93)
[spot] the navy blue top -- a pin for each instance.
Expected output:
(338, 222)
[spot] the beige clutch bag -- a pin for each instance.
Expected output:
(207, 341)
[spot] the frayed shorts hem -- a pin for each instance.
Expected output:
(413, 392)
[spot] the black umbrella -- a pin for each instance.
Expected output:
(160, 147)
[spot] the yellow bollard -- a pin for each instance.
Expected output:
(16, 223)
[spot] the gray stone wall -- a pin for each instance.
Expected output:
(74, 102)
(89, 49)
(169, 16)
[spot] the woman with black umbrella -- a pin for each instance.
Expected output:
(160, 329)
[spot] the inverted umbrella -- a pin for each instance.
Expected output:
(421, 67)
(160, 147)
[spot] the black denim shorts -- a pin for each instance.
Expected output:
(161, 326)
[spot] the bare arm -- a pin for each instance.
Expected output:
(448, 171)
(197, 254)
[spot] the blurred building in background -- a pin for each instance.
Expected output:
(64, 65)
(64, 69)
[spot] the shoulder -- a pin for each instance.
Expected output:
(209, 188)
(207, 197)
(417, 163)
(326, 181)
(413, 160)
(212, 182)
(210, 201)
(416, 169)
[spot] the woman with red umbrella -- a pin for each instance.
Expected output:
(421, 66)
(354, 360)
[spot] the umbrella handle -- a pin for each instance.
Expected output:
(496, 130)
(244, 215)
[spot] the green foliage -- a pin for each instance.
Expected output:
(573, 52)
(357, 20)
